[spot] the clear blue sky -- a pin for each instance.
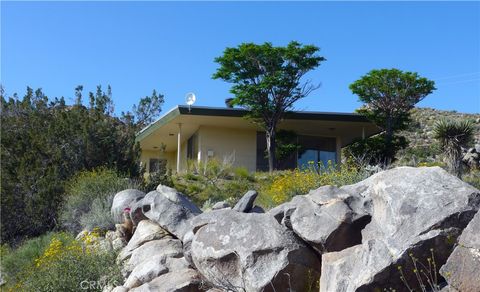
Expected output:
(136, 47)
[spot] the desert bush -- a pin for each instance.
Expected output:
(162, 176)
(283, 186)
(375, 150)
(473, 178)
(214, 181)
(452, 136)
(16, 260)
(86, 190)
(99, 215)
(64, 264)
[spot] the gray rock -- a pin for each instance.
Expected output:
(249, 251)
(170, 209)
(477, 148)
(245, 204)
(120, 289)
(154, 267)
(462, 268)
(145, 272)
(329, 218)
(124, 199)
(257, 209)
(412, 210)
(186, 280)
(146, 231)
(162, 247)
(220, 205)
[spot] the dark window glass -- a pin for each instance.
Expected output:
(192, 147)
(316, 151)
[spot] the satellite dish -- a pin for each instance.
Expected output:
(190, 99)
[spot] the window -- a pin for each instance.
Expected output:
(192, 147)
(316, 151)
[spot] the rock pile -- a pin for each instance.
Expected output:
(369, 236)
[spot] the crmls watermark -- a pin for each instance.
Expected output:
(95, 285)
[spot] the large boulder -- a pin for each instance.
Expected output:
(146, 231)
(154, 267)
(329, 218)
(250, 252)
(124, 199)
(462, 269)
(413, 212)
(161, 247)
(186, 280)
(170, 209)
(245, 204)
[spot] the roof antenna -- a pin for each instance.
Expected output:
(190, 100)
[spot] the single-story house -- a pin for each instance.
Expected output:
(201, 133)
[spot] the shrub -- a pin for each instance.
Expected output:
(14, 261)
(87, 189)
(66, 264)
(453, 135)
(214, 181)
(99, 215)
(283, 186)
(162, 176)
(374, 150)
(473, 178)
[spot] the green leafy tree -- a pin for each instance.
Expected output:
(453, 135)
(388, 96)
(268, 81)
(148, 109)
(45, 142)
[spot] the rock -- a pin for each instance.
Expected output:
(472, 159)
(162, 247)
(154, 267)
(146, 231)
(257, 209)
(245, 204)
(220, 205)
(412, 210)
(186, 280)
(122, 200)
(145, 272)
(136, 212)
(340, 225)
(462, 268)
(477, 148)
(250, 252)
(170, 209)
(120, 289)
(119, 243)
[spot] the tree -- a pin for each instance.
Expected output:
(452, 136)
(268, 81)
(45, 142)
(389, 95)
(148, 109)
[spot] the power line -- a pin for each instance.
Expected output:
(458, 75)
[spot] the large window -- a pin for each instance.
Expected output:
(192, 147)
(316, 151)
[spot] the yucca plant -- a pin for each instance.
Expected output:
(453, 135)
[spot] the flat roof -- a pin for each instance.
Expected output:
(237, 112)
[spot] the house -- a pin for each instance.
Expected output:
(202, 133)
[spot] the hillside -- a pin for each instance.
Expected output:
(422, 146)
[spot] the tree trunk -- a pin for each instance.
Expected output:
(271, 145)
(389, 153)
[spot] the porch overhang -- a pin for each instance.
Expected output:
(345, 126)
